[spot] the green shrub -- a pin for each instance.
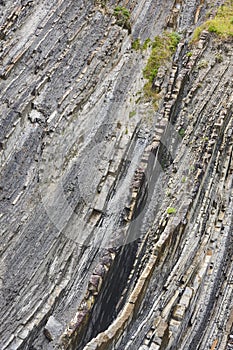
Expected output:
(146, 43)
(136, 45)
(122, 15)
(162, 49)
(171, 210)
(174, 41)
(181, 132)
(221, 24)
(122, 10)
(212, 28)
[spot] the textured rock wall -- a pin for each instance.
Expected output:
(90, 257)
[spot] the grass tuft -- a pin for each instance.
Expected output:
(221, 24)
(136, 45)
(162, 49)
(122, 15)
(171, 210)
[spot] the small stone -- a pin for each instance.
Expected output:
(154, 346)
(162, 328)
(95, 283)
(53, 329)
(36, 116)
(99, 270)
(179, 312)
(149, 335)
(106, 259)
(143, 347)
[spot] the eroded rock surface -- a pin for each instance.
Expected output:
(116, 219)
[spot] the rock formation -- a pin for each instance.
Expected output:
(116, 217)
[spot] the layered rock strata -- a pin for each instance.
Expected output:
(116, 219)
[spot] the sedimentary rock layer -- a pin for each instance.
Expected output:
(116, 218)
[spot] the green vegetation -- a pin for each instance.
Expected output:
(218, 58)
(103, 3)
(183, 180)
(202, 64)
(189, 54)
(221, 25)
(122, 15)
(151, 94)
(136, 45)
(162, 49)
(174, 39)
(132, 114)
(120, 10)
(181, 132)
(171, 210)
(146, 43)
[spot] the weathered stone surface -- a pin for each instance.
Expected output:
(52, 329)
(90, 256)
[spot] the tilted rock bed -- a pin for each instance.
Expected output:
(90, 257)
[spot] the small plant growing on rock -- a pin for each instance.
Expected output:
(171, 210)
(181, 132)
(132, 114)
(146, 43)
(203, 64)
(102, 3)
(136, 45)
(174, 39)
(123, 17)
(221, 24)
(162, 49)
(218, 58)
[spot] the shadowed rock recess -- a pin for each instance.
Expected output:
(116, 214)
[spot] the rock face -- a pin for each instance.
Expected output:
(116, 220)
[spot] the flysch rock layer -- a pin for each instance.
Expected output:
(89, 256)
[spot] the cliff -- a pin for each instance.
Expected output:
(116, 183)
